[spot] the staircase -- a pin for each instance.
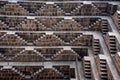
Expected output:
(3, 56)
(58, 71)
(96, 8)
(60, 39)
(20, 38)
(76, 9)
(96, 46)
(87, 69)
(103, 69)
(4, 24)
(23, 8)
(40, 70)
(18, 54)
(112, 42)
(3, 36)
(28, 76)
(105, 28)
(39, 54)
(59, 8)
(20, 73)
(58, 53)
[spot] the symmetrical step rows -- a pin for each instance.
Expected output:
(42, 39)
(41, 54)
(56, 9)
(33, 18)
(37, 72)
(53, 24)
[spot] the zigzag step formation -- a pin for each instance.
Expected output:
(59, 40)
